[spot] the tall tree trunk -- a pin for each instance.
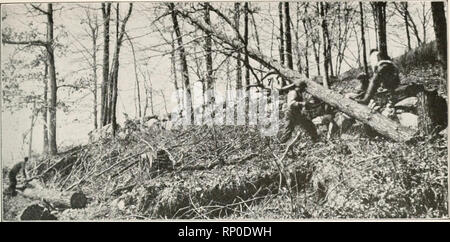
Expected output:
(287, 17)
(184, 65)
(45, 111)
(325, 47)
(440, 30)
(174, 71)
(53, 85)
(363, 40)
(150, 91)
(315, 44)
(209, 63)
(282, 36)
(238, 59)
(94, 73)
(414, 27)
(114, 76)
(380, 8)
(246, 59)
(280, 16)
(297, 39)
(375, 22)
(138, 89)
(104, 113)
(305, 28)
(247, 63)
(30, 141)
(405, 18)
(327, 35)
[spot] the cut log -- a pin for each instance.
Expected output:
(58, 200)
(378, 122)
(409, 102)
(408, 120)
(36, 212)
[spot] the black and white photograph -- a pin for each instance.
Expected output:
(224, 111)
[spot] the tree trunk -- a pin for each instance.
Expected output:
(104, 113)
(305, 28)
(184, 66)
(432, 111)
(325, 46)
(375, 22)
(287, 25)
(246, 59)
(414, 27)
(150, 91)
(363, 40)
(138, 89)
(94, 73)
(440, 30)
(209, 63)
(380, 123)
(297, 40)
(53, 85)
(405, 18)
(280, 15)
(45, 111)
(30, 142)
(114, 75)
(174, 71)
(238, 59)
(380, 8)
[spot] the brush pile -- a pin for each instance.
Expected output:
(235, 172)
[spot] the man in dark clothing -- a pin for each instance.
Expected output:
(385, 73)
(12, 175)
(296, 116)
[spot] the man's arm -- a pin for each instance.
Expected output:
(374, 83)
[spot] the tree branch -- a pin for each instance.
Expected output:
(39, 9)
(31, 42)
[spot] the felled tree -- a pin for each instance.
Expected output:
(380, 123)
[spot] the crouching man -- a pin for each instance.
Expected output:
(385, 73)
(296, 116)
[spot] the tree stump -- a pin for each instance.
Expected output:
(58, 200)
(36, 212)
(432, 111)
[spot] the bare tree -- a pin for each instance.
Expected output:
(138, 89)
(104, 111)
(281, 48)
(305, 29)
(209, 61)
(326, 58)
(380, 10)
(238, 58)
(363, 39)
(184, 65)
(287, 17)
(49, 46)
(114, 74)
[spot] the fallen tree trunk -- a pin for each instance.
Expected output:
(378, 122)
(58, 200)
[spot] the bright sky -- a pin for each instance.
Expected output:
(72, 127)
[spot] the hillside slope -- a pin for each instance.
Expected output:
(233, 172)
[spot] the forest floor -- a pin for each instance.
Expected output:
(231, 172)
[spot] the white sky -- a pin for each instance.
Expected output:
(72, 128)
